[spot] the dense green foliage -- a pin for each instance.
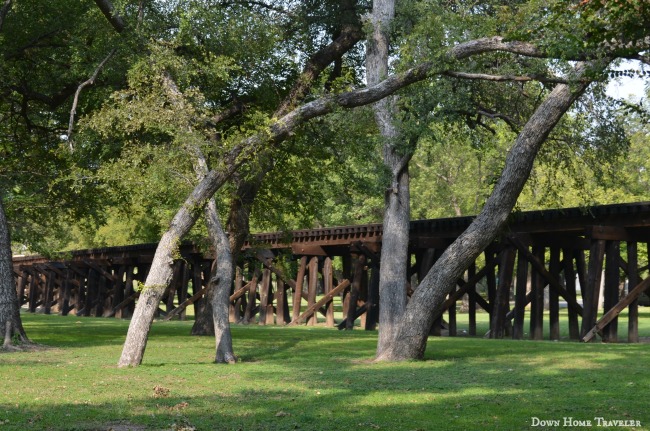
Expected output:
(190, 74)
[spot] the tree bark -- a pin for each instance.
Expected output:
(410, 341)
(394, 248)
(220, 283)
(10, 322)
(218, 292)
(161, 268)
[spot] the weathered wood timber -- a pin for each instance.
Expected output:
(268, 289)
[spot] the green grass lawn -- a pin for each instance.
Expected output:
(312, 378)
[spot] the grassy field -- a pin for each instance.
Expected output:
(313, 379)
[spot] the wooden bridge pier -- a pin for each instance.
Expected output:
(593, 262)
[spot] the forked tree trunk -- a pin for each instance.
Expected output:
(218, 292)
(160, 274)
(394, 248)
(411, 339)
(10, 322)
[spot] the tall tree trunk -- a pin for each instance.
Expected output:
(394, 248)
(220, 283)
(10, 323)
(218, 292)
(160, 274)
(161, 271)
(247, 186)
(411, 338)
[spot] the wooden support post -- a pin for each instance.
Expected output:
(501, 304)
(282, 316)
(128, 292)
(611, 294)
(490, 279)
(581, 271)
(632, 280)
(328, 282)
(182, 289)
(453, 327)
(91, 292)
(372, 310)
(249, 316)
(22, 285)
(312, 286)
(554, 297)
(238, 307)
(591, 291)
(119, 287)
(471, 302)
(570, 282)
(355, 290)
(537, 299)
(520, 296)
(80, 302)
(101, 295)
(32, 292)
(67, 282)
(177, 275)
(265, 288)
(347, 274)
(49, 291)
(297, 293)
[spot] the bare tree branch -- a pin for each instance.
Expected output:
(108, 10)
(261, 4)
(317, 62)
(89, 81)
(505, 78)
(495, 43)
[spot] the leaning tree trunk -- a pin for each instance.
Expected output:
(10, 322)
(394, 248)
(160, 274)
(410, 341)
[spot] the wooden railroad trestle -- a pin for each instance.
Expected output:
(591, 261)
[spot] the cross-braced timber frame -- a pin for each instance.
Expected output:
(593, 261)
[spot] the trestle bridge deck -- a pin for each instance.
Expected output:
(590, 260)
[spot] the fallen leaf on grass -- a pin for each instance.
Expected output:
(160, 392)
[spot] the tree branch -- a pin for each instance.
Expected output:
(89, 81)
(257, 3)
(108, 10)
(505, 78)
(495, 43)
(4, 10)
(317, 62)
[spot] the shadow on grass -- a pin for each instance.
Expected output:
(452, 393)
(316, 379)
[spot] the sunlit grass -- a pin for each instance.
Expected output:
(310, 378)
